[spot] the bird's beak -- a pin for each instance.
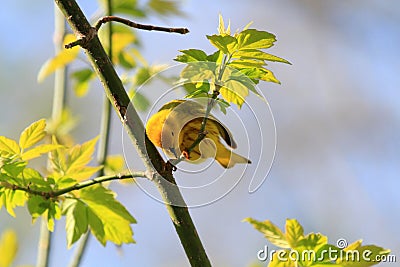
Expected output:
(173, 151)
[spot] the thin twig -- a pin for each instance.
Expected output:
(44, 244)
(84, 40)
(45, 236)
(77, 186)
(138, 26)
(77, 257)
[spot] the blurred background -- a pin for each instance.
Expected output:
(337, 115)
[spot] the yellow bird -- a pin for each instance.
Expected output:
(176, 126)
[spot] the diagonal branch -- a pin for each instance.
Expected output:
(134, 127)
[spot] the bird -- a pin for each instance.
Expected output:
(177, 125)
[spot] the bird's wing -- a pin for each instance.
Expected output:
(224, 132)
(186, 110)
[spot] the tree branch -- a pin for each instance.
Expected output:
(138, 26)
(153, 161)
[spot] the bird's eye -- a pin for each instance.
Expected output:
(172, 133)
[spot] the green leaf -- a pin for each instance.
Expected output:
(221, 26)
(37, 205)
(140, 102)
(108, 219)
(260, 74)
(36, 180)
(114, 164)
(363, 256)
(32, 134)
(199, 71)
(76, 219)
(8, 147)
(8, 247)
(38, 151)
(247, 25)
(58, 159)
(197, 93)
(254, 39)
(11, 199)
(65, 182)
(223, 105)
(313, 241)
(270, 231)
(227, 44)
(121, 40)
(268, 76)
(97, 227)
(80, 155)
(126, 60)
(82, 81)
(242, 77)
(216, 57)
(260, 55)
(191, 55)
(65, 57)
(13, 169)
(142, 75)
(128, 7)
(354, 245)
(165, 7)
(294, 232)
(62, 126)
(199, 89)
(53, 213)
(234, 92)
(246, 63)
(81, 173)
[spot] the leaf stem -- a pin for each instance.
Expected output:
(60, 74)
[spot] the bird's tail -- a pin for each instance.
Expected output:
(228, 159)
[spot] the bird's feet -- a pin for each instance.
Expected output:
(169, 167)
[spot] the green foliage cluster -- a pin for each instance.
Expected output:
(296, 249)
(52, 194)
(236, 67)
(133, 67)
